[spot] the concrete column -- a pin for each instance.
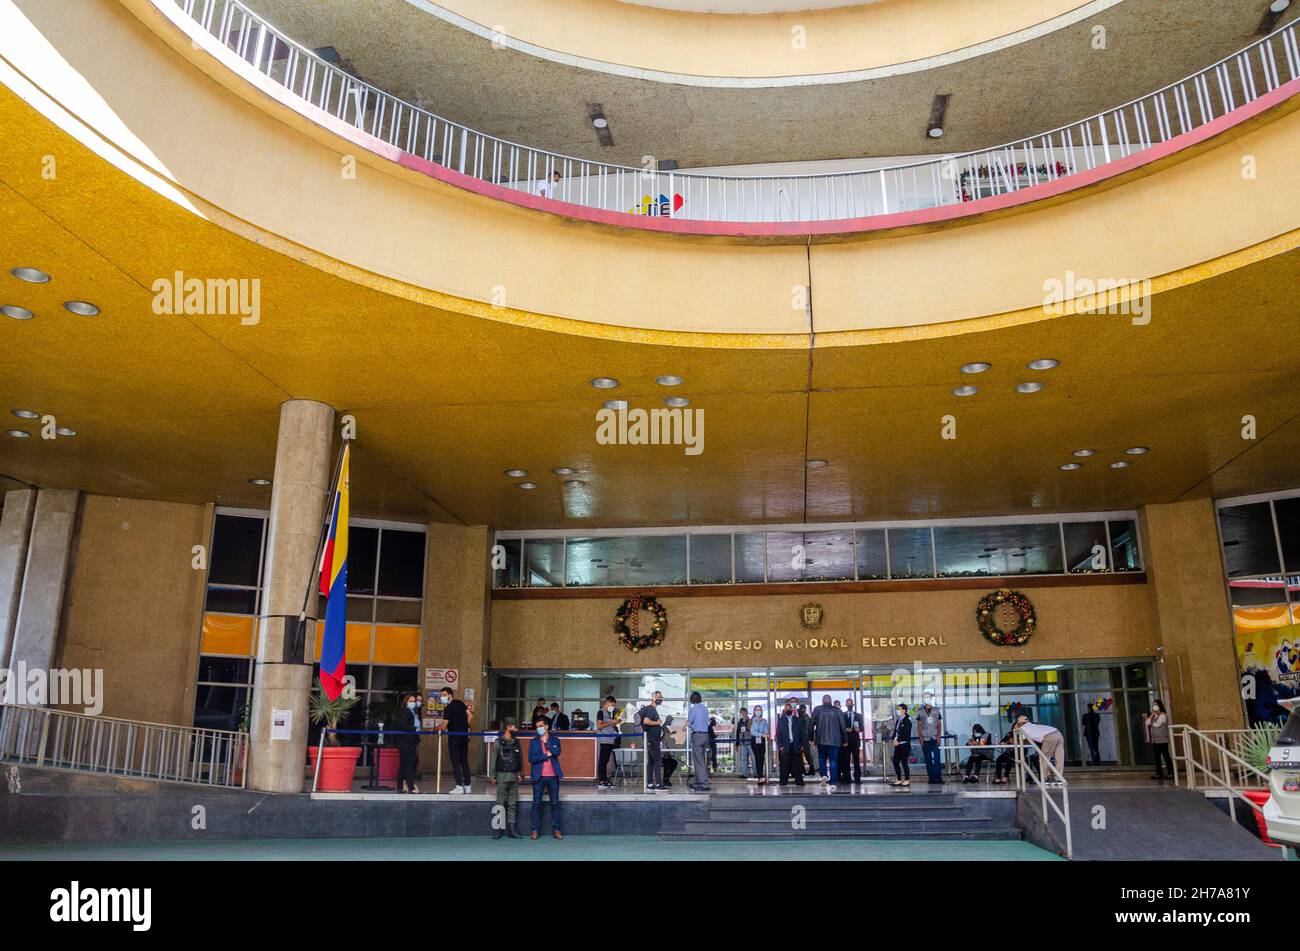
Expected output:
(45, 577)
(282, 678)
(1180, 543)
(15, 530)
(457, 612)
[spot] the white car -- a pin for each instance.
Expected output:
(1282, 811)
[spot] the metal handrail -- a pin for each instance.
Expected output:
(61, 739)
(1228, 776)
(1109, 136)
(1046, 801)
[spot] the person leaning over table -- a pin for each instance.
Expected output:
(1051, 746)
(507, 763)
(544, 759)
(758, 742)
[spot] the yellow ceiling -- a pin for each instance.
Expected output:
(185, 408)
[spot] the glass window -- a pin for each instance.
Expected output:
(828, 556)
(785, 556)
(232, 601)
(710, 559)
(1085, 547)
(1124, 546)
(909, 553)
(507, 576)
(224, 670)
(1249, 547)
(871, 554)
(363, 547)
(1288, 530)
(397, 612)
(998, 550)
(626, 560)
(750, 557)
(545, 562)
(236, 550)
(401, 563)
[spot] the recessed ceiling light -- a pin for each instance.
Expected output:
(668, 380)
(816, 464)
(977, 367)
(676, 401)
(1071, 466)
(17, 433)
(17, 313)
(562, 470)
(574, 482)
(600, 122)
(967, 390)
(527, 485)
(26, 414)
(1028, 387)
(1046, 363)
(604, 383)
(935, 133)
(260, 481)
(65, 431)
(1084, 453)
(516, 473)
(81, 308)
(614, 404)
(1122, 464)
(1277, 6)
(1136, 450)
(31, 275)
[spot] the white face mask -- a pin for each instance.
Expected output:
(541, 731)
(412, 705)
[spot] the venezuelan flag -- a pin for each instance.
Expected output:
(334, 585)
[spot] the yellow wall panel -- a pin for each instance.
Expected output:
(224, 634)
(397, 645)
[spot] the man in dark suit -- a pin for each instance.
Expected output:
(559, 720)
(852, 748)
(790, 738)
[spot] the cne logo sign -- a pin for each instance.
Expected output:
(102, 905)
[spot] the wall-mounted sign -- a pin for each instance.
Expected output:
(281, 724)
(822, 643)
(435, 678)
(810, 616)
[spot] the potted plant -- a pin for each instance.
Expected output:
(1254, 750)
(239, 747)
(338, 763)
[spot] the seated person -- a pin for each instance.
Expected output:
(978, 738)
(1006, 759)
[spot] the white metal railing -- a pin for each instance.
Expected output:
(950, 180)
(1025, 776)
(40, 736)
(1209, 761)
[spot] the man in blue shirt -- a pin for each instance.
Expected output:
(697, 724)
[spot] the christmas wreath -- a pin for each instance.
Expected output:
(627, 622)
(986, 614)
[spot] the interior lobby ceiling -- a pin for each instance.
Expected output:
(996, 97)
(185, 408)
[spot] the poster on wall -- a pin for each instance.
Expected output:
(435, 678)
(1268, 655)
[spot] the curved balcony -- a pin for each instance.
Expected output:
(863, 199)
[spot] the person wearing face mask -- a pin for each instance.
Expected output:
(406, 738)
(852, 746)
(789, 745)
(652, 725)
(809, 743)
(929, 726)
(455, 718)
(758, 743)
(544, 760)
(902, 746)
(744, 749)
(607, 720)
(979, 738)
(1157, 729)
(507, 763)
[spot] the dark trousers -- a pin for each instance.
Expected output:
(458, 747)
(851, 752)
(1094, 750)
(791, 763)
(902, 769)
(1003, 765)
(1162, 754)
(974, 762)
(933, 763)
(602, 764)
(670, 767)
(830, 757)
(760, 750)
(407, 760)
(551, 785)
(654, 761)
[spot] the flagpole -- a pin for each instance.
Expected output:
(299, 643)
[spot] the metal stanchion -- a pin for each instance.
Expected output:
(437, 781)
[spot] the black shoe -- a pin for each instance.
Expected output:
(497, 833)
(800, 783)
(513, 834)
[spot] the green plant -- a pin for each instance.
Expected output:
(1256, 744)
(245, 717)
(329, 712)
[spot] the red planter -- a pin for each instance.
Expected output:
(337, 767)
(388, 763)
(1259, 797)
